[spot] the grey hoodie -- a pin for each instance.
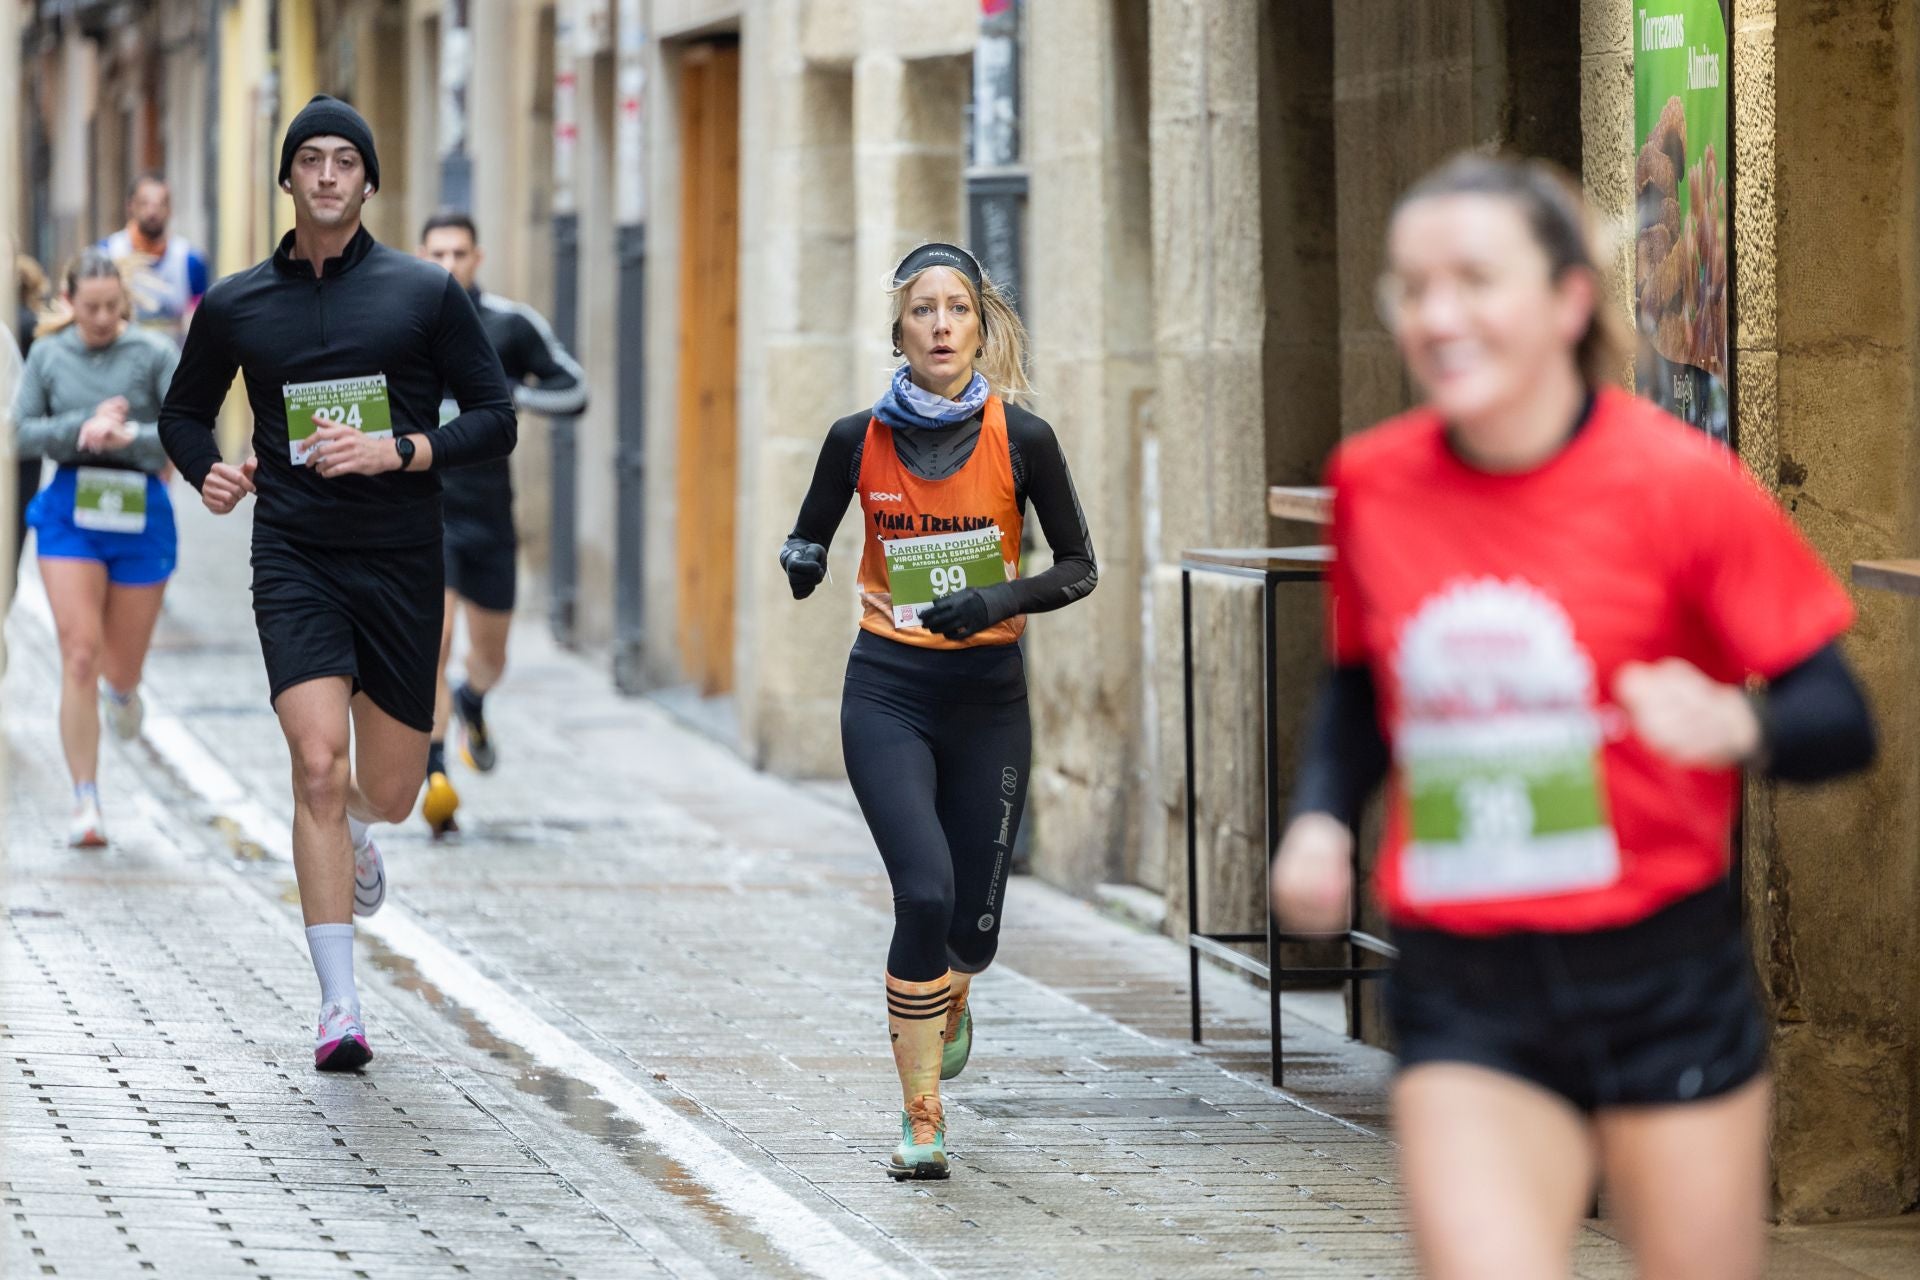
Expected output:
(64, 382)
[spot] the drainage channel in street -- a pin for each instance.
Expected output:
(584, 1111)
(753, 1216)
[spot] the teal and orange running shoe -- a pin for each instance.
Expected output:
(922, 1153)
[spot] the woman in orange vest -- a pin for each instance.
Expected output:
(934, 720)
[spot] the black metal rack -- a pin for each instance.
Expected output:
(1272, 566)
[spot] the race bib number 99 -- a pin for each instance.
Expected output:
(360, 403)
(922, 570)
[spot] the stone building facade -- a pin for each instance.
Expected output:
(1207, 189)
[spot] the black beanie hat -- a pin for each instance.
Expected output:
(327, 117)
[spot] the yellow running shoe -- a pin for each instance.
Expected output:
(438, 806)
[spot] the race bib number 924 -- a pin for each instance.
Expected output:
(360, 403)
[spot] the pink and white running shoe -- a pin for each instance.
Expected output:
(341, 1042)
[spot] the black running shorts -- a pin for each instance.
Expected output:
(371, 614)
(482, 573)
(1661, 1011)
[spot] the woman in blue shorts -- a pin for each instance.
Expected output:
(89, 399)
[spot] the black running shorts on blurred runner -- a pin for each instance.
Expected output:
(1660, 1011)
(371, 614)
(483, 573)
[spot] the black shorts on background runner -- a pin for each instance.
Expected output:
(1660, 1011)
(371, 614)
(483, 573)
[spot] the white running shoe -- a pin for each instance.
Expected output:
(340, 1043)
(124, 712)
(369, 879)
(88, 829)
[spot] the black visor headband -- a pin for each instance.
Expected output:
(939, 255)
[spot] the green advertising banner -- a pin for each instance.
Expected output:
(1681, 74)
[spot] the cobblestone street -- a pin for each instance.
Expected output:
(628, 1024)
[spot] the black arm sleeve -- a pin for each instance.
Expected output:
(1073, 573)
(487, 427)
(832, 487)
(1345, 756)
(200, 383)
(1814, 721)
(562, 384)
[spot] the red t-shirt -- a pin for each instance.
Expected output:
(1494, 611)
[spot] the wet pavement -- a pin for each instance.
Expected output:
(629, 1023)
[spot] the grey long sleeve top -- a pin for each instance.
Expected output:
(64, 382)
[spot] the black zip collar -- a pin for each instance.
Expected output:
(285, 263)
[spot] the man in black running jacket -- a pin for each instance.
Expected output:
(481, 544)
(347, 347)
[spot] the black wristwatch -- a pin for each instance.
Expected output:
(404, 447)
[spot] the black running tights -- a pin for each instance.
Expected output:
(942, 785)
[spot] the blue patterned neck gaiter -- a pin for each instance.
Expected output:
(906, 405)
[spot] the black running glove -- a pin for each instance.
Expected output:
(959, 615)
(806, 566)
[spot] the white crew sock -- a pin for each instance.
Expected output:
(359, 831)
(332, 949)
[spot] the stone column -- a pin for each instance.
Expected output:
(12, 207)
(798, 335)
(599, 349)
(499, 120)
(13, 173)
(853, 138)
(909, 157)
(1089, 308)
(385, 43)
(1606, 126)
(1827, 239)
(1826, 245)
(1204, 462)
(419, 191)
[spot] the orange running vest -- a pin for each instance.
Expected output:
(895, 503)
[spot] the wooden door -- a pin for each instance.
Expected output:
(709, 328)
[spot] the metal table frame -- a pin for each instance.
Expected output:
(1271, 566)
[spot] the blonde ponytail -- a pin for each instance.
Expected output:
(1004, 358)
